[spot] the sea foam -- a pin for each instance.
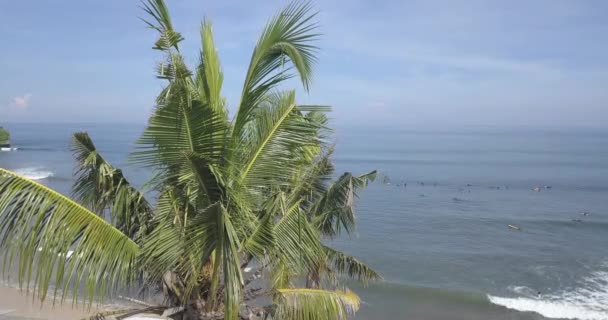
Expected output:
(34, 173)
(588, 301)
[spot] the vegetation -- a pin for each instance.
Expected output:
(240, 207)
(4, 136)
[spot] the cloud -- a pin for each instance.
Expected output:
(21, 102)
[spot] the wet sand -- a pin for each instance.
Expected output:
(15, 304)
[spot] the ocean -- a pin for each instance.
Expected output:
(437, 227)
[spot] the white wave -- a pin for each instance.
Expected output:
(588, 301)
(551, 309)
(523, 291)
(34, 173)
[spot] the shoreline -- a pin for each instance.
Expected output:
(16, 304)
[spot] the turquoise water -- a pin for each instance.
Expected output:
(441, 241)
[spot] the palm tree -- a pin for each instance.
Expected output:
(240, 206)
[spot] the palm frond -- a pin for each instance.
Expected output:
(100, 186)
(174, 69)
(163, 248)
(312, 304)
(270, 149)
(280, 275)
(209, 75)
(175, 130)
(54, 239)
(268, 124)
(206, 181)
(298, 244)
(350, 266)
(263, 240)
(334, 211)
(317, 117)
(285, 42)
(161, 22)
(312, 180)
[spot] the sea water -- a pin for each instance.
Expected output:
(437, 227)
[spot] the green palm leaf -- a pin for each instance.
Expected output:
(311, 181)
(286, 41)
(350, 266)
(100, 186)
(334, 211)
(271, 149)
(298, 244)
(54, 239)
(312, 304)
(263, 240)
(158, 11)
(209, 75)
(176, 130)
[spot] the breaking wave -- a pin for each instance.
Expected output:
(587, 301)
(35, 173)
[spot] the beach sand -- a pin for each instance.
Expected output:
(15, 304)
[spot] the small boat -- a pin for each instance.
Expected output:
(514, 227)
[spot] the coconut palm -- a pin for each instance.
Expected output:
(240, 207)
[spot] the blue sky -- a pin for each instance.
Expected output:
(518, 62)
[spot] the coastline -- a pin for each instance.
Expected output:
(16, 304)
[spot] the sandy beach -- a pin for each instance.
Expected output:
(15, 304)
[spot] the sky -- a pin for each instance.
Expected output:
(392, 62)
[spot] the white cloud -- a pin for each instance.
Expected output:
(21, 102)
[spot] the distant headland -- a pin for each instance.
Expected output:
(5, 141)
